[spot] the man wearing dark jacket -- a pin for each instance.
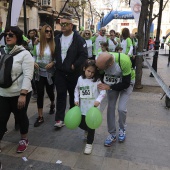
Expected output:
(70, 54)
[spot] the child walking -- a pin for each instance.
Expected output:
(86, 96)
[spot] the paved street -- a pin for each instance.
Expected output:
(147, 145)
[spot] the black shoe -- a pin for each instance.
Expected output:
(168, 65)
(52, 109)
(17, 126)
(151, 75)
(39, 121)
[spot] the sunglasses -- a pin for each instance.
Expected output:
(9, 35)
(64, 24)
(47, 31)
(87, 33)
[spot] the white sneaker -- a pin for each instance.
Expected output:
(88, 149)
(59, 123)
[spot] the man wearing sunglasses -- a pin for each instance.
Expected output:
(70, 54)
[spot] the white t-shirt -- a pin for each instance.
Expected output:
(112, 46)
(86, 93)
(124, 45)
(89, 47)
(65, 44)
(98, 40)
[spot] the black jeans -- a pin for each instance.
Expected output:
(91, 132)
(40, 91)
(64, 82)
(8, 105)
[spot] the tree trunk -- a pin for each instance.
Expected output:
(149, 23)
(139, 59)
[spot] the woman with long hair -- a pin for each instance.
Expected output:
(44, 62)
(126, 43)
(87, 34)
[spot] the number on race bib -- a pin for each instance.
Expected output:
(110, 79)
(85, 92)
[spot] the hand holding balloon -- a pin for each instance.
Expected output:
(76, 103)
(96, 104)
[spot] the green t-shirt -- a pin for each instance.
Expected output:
(125, 64)
(129, 44)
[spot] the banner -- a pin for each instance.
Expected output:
(136, 8)
(15, 11)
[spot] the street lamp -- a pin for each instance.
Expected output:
(155, 57)
(102, 16)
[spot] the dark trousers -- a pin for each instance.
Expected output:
(169, 58)
(34, 85)
(91, 132)
(8, 105)
(40, 85)
(64, 82)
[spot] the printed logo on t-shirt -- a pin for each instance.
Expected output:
(85, 92)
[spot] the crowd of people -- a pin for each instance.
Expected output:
(68, 62)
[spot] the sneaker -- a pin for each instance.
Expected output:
(122, 135)
(110, 140)
(23, 143)
(85, 135)
(39, 121)
(52, 109)
(59, 123)
(88, 149)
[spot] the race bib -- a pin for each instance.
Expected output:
(85, 92)
(110, 79)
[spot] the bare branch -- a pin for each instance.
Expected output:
(62, 8)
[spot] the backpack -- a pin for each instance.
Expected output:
(6, 62)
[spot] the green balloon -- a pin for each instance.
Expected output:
(72, 118)
(93, 118)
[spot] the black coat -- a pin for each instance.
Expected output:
(76, 54)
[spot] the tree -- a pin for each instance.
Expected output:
(145, 19)
(139, 59)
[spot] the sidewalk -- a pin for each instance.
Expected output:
(147, 145)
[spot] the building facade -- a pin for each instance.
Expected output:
(85, 13)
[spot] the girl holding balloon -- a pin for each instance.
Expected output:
(87, 95)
